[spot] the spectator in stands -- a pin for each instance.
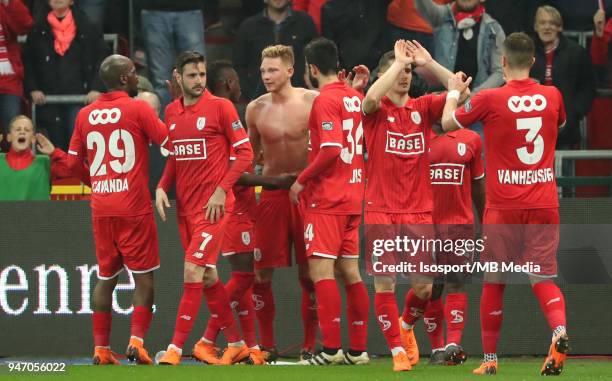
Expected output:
(359, 28)
(94, 9)
(25, 176)
(276, 24)
(602, 35)
(405, 23)
(14, 20)
(313, 8)
(170, 26)
(61, 57)
(563, 63)
(466, 39)
(515, 15)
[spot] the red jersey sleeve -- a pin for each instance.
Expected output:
(328, 121)
(60, 167)
(77, 147)
(239, 141)
(562, 114)
(153, 127)
(477, 165)
(475, 109)
(435, 106)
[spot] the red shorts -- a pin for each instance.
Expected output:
(279, 225)
(331, 235)
(381, 226)
(462, 252)
(201, 239)
(523, 236)
(125, 241)
(238, 236)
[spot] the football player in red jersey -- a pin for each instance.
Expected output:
(113, 135)
(457, 180)
(332, 186)
(203, 129)
(521, 122)
(398, 192)
(278, 129)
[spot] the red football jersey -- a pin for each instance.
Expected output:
(521, 121)
(202, 134)
(397, 169)
(455, 159)
(246, 201)
(113, 135)
(335, 120)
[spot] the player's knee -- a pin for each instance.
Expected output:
(384, 284)
(263, 275)
(210, 277)
(423, 290)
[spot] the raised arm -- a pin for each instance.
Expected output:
(254, 137)
(371, 102)
(432, 13)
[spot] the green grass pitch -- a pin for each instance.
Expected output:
(379, 369)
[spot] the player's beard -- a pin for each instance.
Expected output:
(133, 91)
(313, 81)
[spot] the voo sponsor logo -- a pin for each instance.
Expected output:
(104, 116)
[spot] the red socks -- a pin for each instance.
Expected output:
(387, 316)
(552, 303)
(357, 311)
(265, 312)
(309, 314)
(455, 313)
(141, 320)
(246, 315)
(187, 312)
(219, 305)
(491, 315)
(414, 308)
(434, 323)
(235, 289)
(329, 309)
(101, 328)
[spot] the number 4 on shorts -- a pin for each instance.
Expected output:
(308, 233)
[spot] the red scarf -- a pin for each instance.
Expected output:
(64, 31)
(474, 15)
(19, 160)
(5, 65)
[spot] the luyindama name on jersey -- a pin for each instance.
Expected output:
(110, 186)
(525, 177)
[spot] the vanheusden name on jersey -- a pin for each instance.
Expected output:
(446, 173)
(110, 186)
(525, 177)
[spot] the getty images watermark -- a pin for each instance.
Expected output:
(438, 250)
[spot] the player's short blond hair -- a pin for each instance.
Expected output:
(284, 52)
(552, 11)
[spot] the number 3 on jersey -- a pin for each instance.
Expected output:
(120, 146)
(355, 145)
(533, 125)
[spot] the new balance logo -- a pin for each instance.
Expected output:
(243, 313)
(495, 313)
(357, 322)
(336, 320)
(186, 317)
(386, 324)
(553, 301)
(198, 255)
(457, 316)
